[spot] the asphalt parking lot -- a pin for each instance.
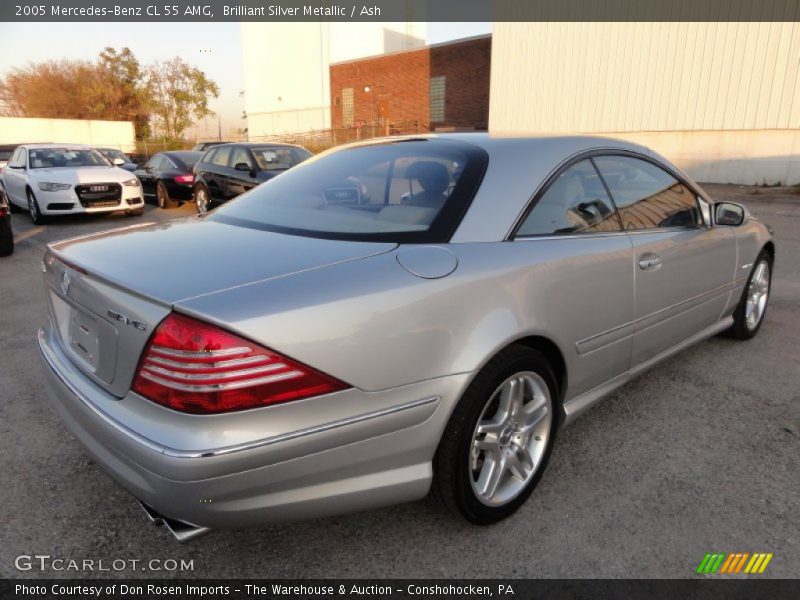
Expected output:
(701, 454)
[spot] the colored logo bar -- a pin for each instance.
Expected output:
(737, 562)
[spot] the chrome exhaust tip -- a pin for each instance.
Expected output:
(181, 530)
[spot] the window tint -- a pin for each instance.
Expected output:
(18, 160)
(220, 156)
(240, 156)
(157, 162)
(576, 202)
(390, 192)
(646, 196)
(279, 158)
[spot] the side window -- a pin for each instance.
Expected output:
(576, 202)
(646, 196)
(240, 155)
(221, 156)
(157, 162)
(18, 160)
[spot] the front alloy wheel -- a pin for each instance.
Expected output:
(749, 313)
(33, 209)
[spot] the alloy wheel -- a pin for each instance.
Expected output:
(201, 200)
(33, 210)
(510, 438)
(757, 295)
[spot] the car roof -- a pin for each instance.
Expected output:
(45, 146)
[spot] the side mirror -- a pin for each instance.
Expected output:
(730, 214)
(118, 162)
(242, 166)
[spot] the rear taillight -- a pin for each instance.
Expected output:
(184, 178)
(194, 367)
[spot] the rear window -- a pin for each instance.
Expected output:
(407, 191)
(278, 158)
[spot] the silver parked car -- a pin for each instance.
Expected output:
(387, 319)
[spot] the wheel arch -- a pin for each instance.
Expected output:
(554, 356)
(770, 248)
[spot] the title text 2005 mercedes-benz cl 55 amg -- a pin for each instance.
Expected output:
(385, 319)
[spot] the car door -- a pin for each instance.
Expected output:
(574, 236)
(15, 177)
(217, 165)
(149, 174)
(683, 266)
(241, 173)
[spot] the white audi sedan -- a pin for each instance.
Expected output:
(56, 179)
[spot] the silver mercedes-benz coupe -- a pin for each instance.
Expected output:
(388, 319)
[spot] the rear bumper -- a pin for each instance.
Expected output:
(373, 457)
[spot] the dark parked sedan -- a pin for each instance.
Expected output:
(168, 176)
(226, 171)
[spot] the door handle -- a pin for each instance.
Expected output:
(649, 261)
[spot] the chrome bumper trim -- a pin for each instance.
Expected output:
(275, 439)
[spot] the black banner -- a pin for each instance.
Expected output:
(397, 10)
(401, 589)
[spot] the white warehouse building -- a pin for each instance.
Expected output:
(720, 99)
(286, 68)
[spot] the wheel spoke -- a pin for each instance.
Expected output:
(491, 474)
(487, 444)
(533, 416)
(515, 466)
(517, 396)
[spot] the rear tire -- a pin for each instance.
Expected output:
(6, 237)
(498, 441)
(33, 210)
(162, 196)
(752, 307)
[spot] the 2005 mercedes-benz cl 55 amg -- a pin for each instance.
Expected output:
(387, 319)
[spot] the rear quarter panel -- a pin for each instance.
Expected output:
(376, 326)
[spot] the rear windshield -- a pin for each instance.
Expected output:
(278, 158)
(188, 158)
(405, 191)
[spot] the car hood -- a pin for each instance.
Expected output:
(76, 175)
(191, 257)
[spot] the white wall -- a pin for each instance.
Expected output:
(116, 134)
(286, 68)
(665, 82)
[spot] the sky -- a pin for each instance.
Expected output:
(212, 47)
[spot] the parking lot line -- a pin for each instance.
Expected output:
(27, 234)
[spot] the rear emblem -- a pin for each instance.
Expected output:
(65, 283)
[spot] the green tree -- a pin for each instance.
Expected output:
(180, 95)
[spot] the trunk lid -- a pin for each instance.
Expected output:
(107, 292)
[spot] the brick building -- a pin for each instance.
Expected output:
(438, 87)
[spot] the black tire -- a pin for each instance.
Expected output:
(740, 329)
(136, 212)
(162, 196)
(452, 472)
(6, 237)
(34, 211)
